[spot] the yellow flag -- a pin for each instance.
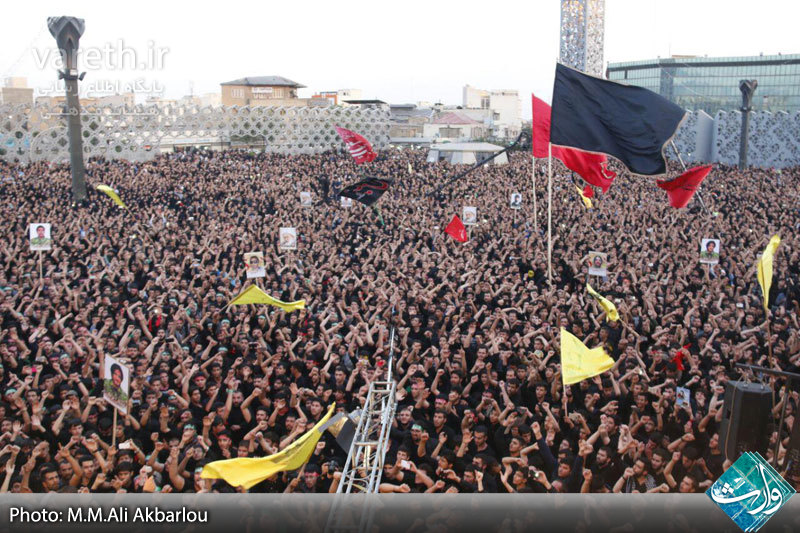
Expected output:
(254, 295)
(586, 200)
(112, 194)
(579, 362)
(611, 310)
(764, 267)
(249, 471)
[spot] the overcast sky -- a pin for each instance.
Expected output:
(395, 51)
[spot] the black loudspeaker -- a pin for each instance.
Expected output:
(746, 420)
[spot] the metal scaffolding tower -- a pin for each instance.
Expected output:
(364, 466)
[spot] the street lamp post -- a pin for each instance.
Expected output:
(67, 32)
(748, 87)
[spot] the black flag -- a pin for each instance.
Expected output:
(366, 191)
(630, 123)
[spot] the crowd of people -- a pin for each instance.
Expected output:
(480, 402)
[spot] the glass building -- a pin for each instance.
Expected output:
(712, 84)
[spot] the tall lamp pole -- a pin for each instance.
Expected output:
(67, 32)
(748, 87)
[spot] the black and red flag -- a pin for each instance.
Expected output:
(591, 167)
(632, 124)
(366, 191)
(457, 230)
(681, 189)
(359, 147)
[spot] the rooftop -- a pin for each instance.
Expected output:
(365, 102)
(273, 81)
(694, 61)
(454, 118)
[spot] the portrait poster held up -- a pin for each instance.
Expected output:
(255, 264)
(116, 387)
(469, 215)
(287, 239)
(346, 202)
(598, 264)
(515, 201)
(709, 251)
(305, 199)
(40, 240)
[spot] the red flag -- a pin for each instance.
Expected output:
(358, 146)
(679, 355)
(681, 189)
(457, 230)
(589, 166)
(541, 128)
(588, 192)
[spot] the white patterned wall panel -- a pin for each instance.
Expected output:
(40, 133)
(773, 140)
(685, 139)
(582, 35)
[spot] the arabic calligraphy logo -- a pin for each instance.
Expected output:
(750, 492)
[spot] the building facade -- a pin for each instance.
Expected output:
(712, 84)
(408, 120)
(454, 126)
(338, 97)
(504, 117)
(261, 91)
(15, 90)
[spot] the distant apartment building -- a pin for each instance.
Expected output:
(15, 90)
(408, 120)
(368, 103)
(338, 97)
(505, 119)
(454, 126)
(262, 91)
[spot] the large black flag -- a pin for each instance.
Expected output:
(630, 123)
(366, 191)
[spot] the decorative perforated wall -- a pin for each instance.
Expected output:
(39, 133)
(773, 140)
(582, 29)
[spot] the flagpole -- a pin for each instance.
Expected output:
(683, 165)
(114, 434)
(549, 213)
(533, 180)
(769, 341)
